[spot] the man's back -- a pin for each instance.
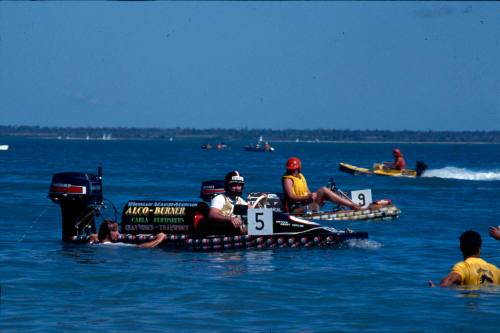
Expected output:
(476, 271)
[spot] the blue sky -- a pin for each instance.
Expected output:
(304, 65)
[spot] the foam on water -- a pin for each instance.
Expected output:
(363, 244)
(462, 173)
(114, 244)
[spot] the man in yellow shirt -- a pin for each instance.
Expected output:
(473, 270)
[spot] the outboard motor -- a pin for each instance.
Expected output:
(211, 188)
(78, 194)
(420, 168)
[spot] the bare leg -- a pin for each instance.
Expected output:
(324, 194)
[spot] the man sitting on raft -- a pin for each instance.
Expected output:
(298, 197)
(222, 205)
(399, 161)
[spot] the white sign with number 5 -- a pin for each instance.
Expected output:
(260, 221)
(362, 197)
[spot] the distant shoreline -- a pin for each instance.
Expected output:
(252, 135)
(282, 141)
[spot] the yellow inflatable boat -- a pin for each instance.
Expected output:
(381, 170)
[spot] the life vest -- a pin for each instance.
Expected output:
(400, 163)
(299, 188)
(299, 184)
(228, 207)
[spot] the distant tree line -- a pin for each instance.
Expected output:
(252, 134)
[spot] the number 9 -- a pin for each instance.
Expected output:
(362, 199)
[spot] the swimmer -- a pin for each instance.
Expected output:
(473, 270)
(108, 233)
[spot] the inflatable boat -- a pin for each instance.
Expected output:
(382, 209)
(185, 223)
(380, 170)
(260, 146)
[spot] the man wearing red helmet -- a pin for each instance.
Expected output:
(399, 162)
(297, 193)
(222, 205)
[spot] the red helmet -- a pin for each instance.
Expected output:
(397, 152)
(293, 163)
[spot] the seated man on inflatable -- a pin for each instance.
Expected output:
(222, 206)
(399, 161)
(298, 197)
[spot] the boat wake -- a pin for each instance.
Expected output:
(363, 244)
(463, 174)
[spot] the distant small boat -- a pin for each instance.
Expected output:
(4, 147)
(260, 146)
(219, 146)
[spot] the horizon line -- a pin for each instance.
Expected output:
(239, 129)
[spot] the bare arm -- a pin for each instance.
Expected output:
(155, 242)
(288, 189)
(215, 215)
(450, 279)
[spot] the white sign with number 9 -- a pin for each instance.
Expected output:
(260, 221)
(362, 197)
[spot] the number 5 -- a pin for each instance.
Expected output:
(260, 221)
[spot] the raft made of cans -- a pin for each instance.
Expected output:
(378, 210)
(374, 212)
(185, 223)
(333, 238)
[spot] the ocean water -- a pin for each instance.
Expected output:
(374, 285)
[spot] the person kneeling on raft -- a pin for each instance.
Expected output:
(399, 161)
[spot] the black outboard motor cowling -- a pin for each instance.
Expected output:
(78, 194)
(420, 168)
(210, 189)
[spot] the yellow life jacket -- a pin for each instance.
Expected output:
(299, 184)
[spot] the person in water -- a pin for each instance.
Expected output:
(473, 270)
(108, 233)
(399, 161)
(299, 198)
(222, 205)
